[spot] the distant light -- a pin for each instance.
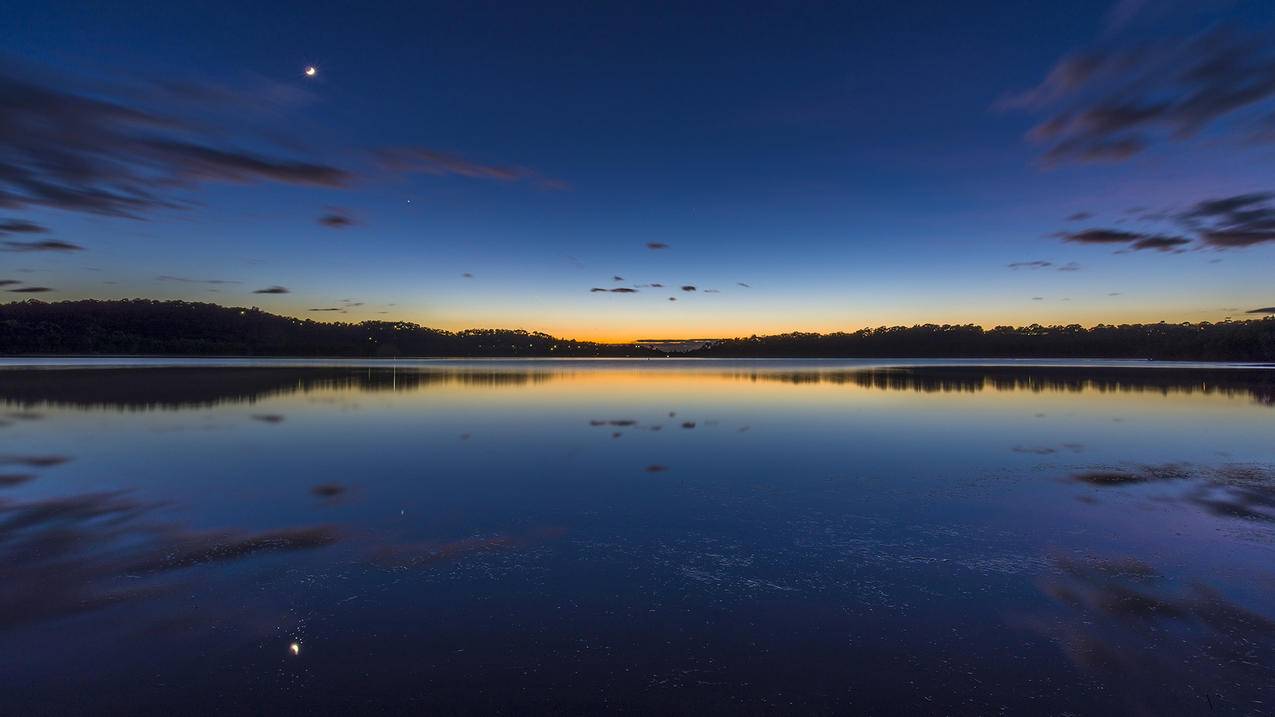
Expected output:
(311, 71)
(295, 648)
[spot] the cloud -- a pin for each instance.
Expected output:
(186, 280)
(1133, 241)
(656, 245)
(1079, 216)
(1110, 103)
(421, 160)
(617, 277)
(109, 152)
(1038, 264)
(688, 287)
(330, 308)
(1160, 243)
(467, 275)
(1122, 13)
(336, 219)
(48, 245)
(617, 290)
(712, 291)
(9, 282)
(272, 290)
(20, 226)
(1099, 236)
(1234, 222)
(1263, 310)
(746, 286)
(31, 290)
(672, 298)
(1070, 266)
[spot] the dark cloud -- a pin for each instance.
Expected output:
(656, 245)
(688, 287)
(330, 308)
(1263, 310)
(33, 461)
(328, 490)
(187, 280)
(712, 291)
(336, 220)
(467, 275)
(1100, 236)
(49, 245)
(20, 226)
(272, 290)
(617, 290)
(1080, 217)
(746, 286)
(120, 155)
(672, 298)
(1235, 222)
(1038, 264)
(420, 160)
(617, 277)
(1133, 241)
(9, 282)
(1111, 103)
(30, 290)
(1160, 243)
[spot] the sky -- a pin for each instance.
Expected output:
(733, 168)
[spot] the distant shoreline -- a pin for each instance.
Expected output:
(181, 329)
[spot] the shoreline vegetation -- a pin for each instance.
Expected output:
(143, 327)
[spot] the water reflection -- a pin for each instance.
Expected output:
(187, 387)
(798, 538)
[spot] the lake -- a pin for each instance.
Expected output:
(671, 536)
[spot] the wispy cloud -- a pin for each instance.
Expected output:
(422, 160)
(1238, 221)
(117, 154)
(1132, 241)
(656, 245)
(51, 245)
(1112, 102)
(20, 226)
(272, 290)
(337, 219)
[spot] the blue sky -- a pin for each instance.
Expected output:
(853, 164)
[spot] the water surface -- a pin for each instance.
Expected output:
(680, 536)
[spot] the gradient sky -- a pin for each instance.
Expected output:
(487, 165)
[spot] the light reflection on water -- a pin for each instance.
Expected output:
(673, 536)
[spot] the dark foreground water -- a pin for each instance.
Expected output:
(666, 537)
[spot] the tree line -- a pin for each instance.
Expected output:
(1252, 340)
(146, 327)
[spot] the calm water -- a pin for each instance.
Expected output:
(671, 536)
